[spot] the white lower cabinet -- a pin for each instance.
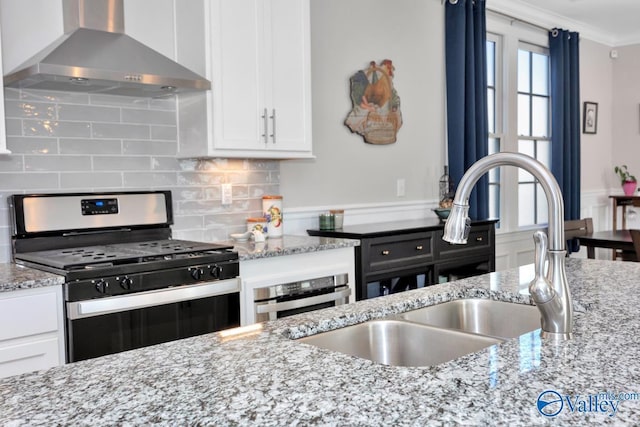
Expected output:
(32, 331)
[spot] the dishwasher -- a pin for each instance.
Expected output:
(286, 299)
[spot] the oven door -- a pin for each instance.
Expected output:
(289, 305)
(110, 325)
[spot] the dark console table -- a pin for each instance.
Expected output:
(401, 255)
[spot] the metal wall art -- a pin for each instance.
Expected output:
(376, 105)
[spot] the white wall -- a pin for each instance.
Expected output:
(346, 35)
(625, 138)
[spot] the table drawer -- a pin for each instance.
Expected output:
(480, 239)
(400, 250)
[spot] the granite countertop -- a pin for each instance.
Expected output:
(289, 245)
(265, 378)
(14, 277)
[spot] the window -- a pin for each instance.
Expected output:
(519, 120)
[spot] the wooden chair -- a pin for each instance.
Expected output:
(579, 227)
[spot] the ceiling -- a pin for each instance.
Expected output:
(612, 22)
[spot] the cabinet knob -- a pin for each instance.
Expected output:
(385, 252)
(479, 239)
(419, 248)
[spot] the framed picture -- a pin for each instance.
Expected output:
(590, 117)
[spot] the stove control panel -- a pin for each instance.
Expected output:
(121, 284)
(99, 206)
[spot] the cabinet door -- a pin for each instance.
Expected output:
(237, 74)
(260, 70)
(289, 65)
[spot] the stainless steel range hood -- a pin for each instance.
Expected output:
(94, 55)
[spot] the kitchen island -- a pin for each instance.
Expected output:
(264, 377)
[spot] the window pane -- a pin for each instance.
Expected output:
(494, 145)
(523, 71)
(526, 147)
(523, 115)
(542, 210)
(494, 201)
(540, 116)
(540, 74)
(526, 209)
(544, 153)
(491, 61)
(491, 102)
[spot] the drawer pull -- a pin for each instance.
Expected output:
(478, 239)
(419, 248)
(385, 252)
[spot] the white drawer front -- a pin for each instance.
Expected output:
(21, 316)
(28, 356)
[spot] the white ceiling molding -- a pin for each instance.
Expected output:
(548, 19)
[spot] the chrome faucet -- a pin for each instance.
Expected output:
(551, 292)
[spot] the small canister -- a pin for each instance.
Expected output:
(327, 221)
(339, 217)
(257, 224)
(272, 210)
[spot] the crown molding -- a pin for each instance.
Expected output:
(545, 18)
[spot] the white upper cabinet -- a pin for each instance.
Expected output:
(258, 60)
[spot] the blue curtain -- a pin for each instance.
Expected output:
(565, 119)
(466, 74)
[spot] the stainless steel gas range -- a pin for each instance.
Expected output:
(128, 284)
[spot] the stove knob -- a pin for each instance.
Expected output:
(102, 286)
(216, 271)
(197, 273)
(126, 283)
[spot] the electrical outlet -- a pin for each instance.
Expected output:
(227, 194)
(400, 187)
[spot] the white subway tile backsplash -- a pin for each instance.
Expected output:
(54, 128)
(90, 181)
(155, 117)
(149, 147)
(11, 164)
(30, 110)
(121, 163)
(13, 127)
(164, 163)
(56, 163)
(166, 133)
(119, 130)
(119, 101)
(32, 145)
(155, 180)
(90, 146)
(106, 143)
(20, 181)
(88, 113)
(55, 97)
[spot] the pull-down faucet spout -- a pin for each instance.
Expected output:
(551, 293)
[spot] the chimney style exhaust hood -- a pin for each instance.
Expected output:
(95, 56)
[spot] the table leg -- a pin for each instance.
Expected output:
(591, 252)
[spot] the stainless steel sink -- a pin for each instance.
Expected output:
(480, 316)
(400, 343)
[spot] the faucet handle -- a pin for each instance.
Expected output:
(540, 288)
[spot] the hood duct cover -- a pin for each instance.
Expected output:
(98, 60)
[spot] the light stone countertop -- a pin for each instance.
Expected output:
(14, 277)
(265, 378)
(289, 245)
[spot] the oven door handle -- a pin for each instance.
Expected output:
(100, 306)
(262, 308)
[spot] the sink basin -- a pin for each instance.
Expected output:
(400, 343)
(481, 316)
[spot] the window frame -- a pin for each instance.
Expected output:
(510, 35)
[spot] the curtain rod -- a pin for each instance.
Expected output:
(522, 21)
(513, 18)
